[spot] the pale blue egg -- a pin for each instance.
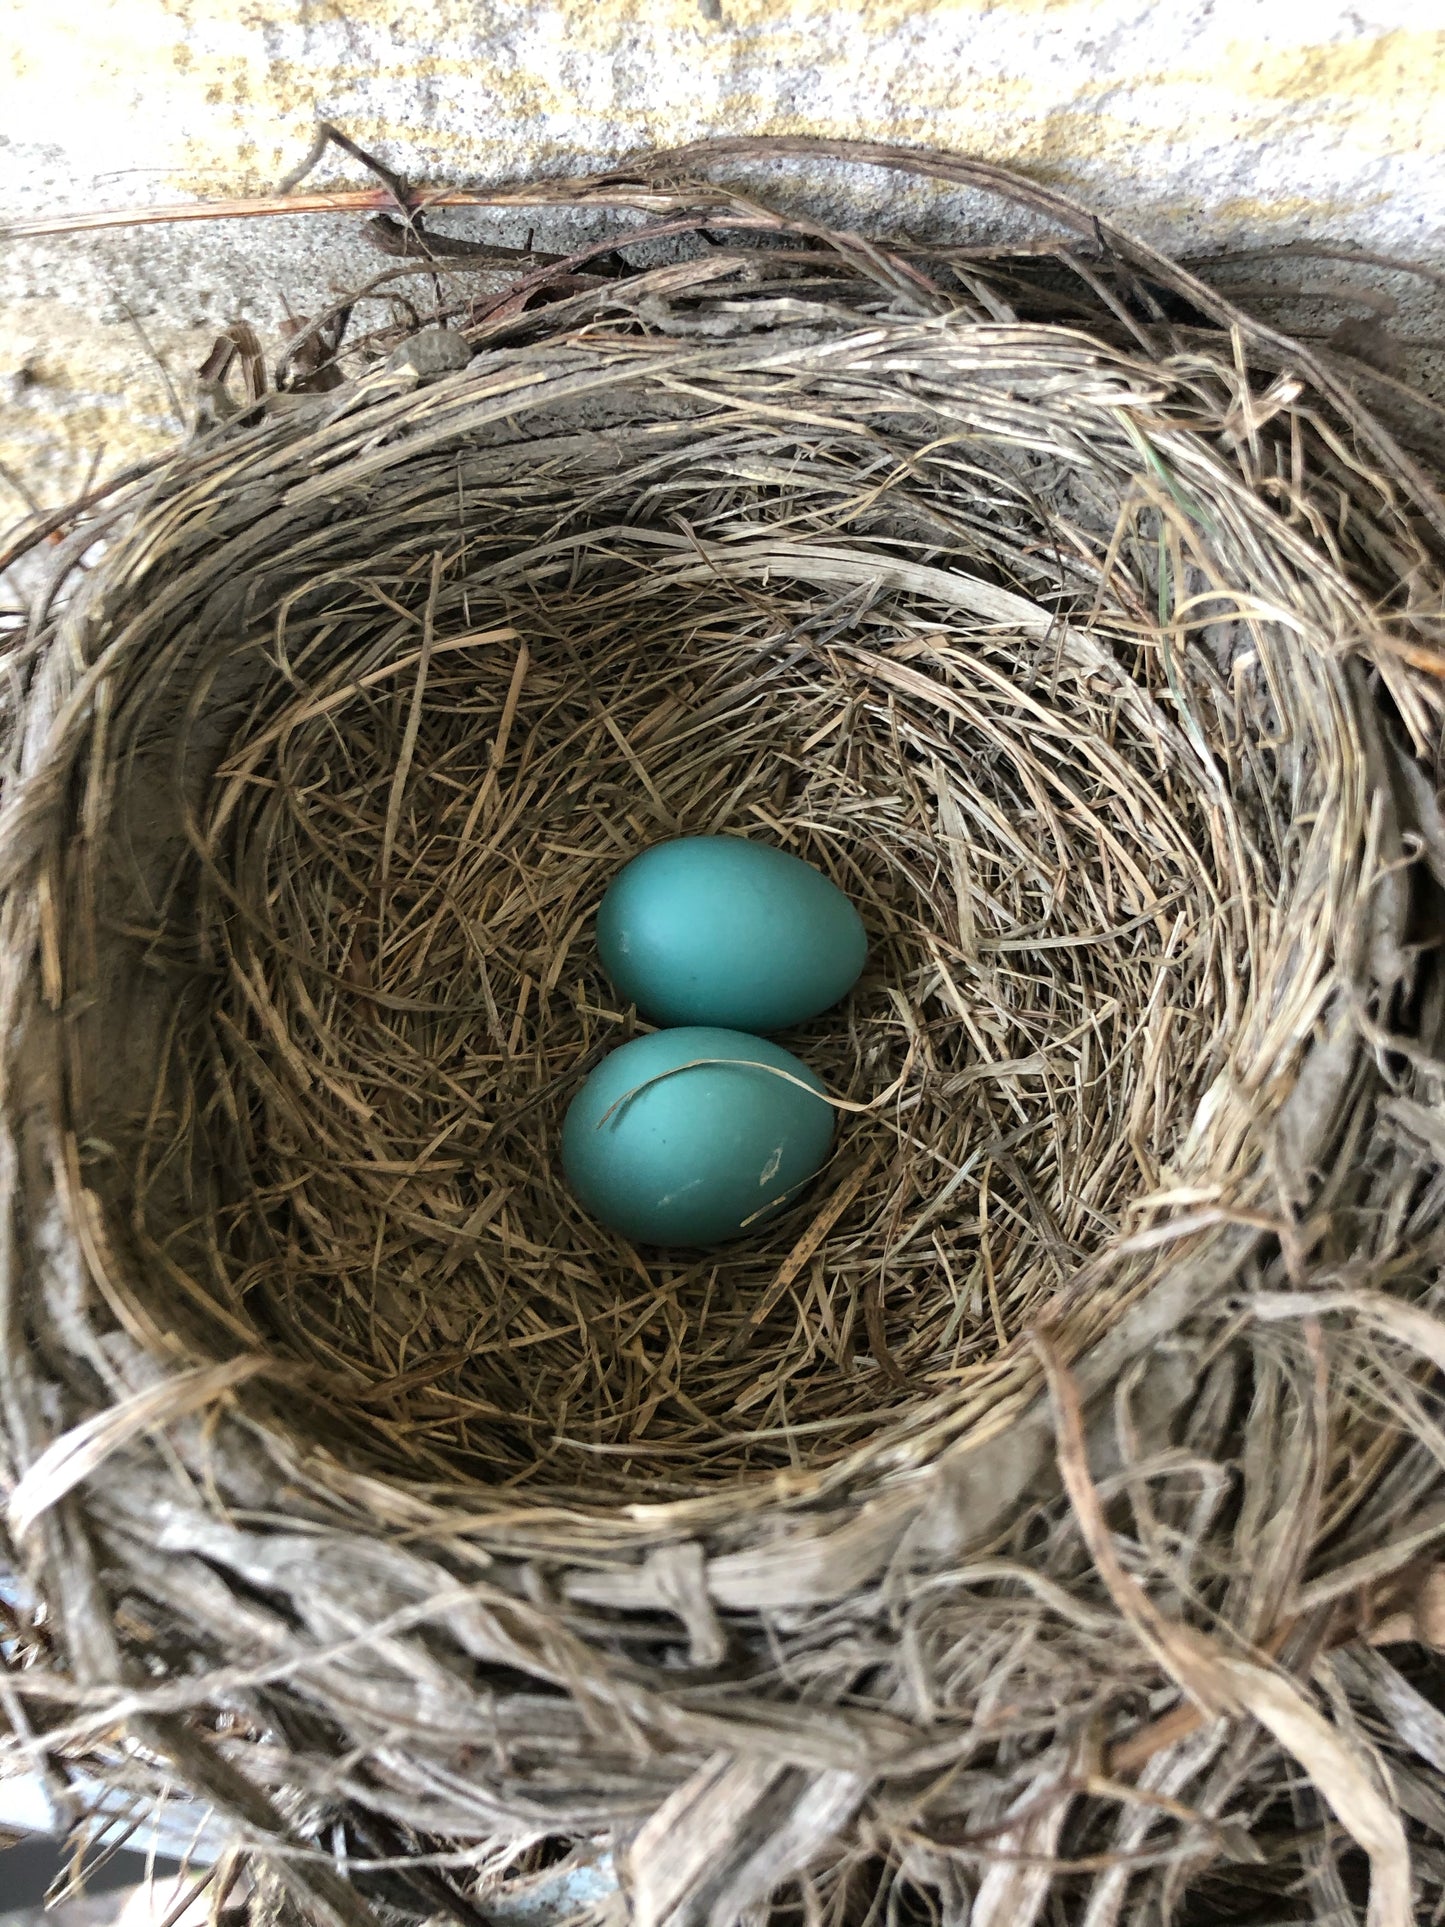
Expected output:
(691, 1137)
(722, 930)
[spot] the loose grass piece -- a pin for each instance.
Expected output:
(1093, 662)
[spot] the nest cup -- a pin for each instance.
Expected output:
(962, 1542)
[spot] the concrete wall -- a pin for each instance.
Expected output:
(1211, 121)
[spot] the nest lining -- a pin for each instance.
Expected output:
(1098, 699)
(1066, 895)
(416, 830)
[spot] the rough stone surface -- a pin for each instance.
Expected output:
(435, 351)
(1224, 123)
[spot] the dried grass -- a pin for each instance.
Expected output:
(998, 1536)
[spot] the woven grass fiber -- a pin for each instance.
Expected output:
(1036, 1523)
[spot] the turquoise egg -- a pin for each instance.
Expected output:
(702, 1155)
(721, 930)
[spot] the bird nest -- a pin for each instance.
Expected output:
(1009, 1530)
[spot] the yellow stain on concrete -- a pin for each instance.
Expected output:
(1401, 70)
(224, 93)
(66, 419)
(1387, 91)
(1254, 211)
